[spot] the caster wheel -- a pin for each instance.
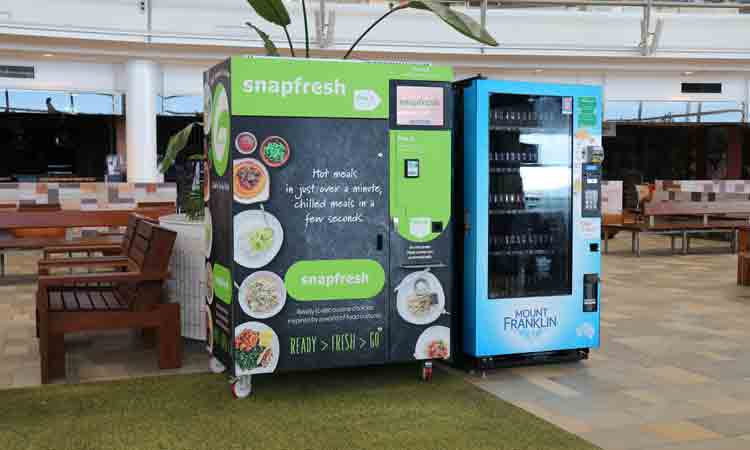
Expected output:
(215, 366)
(427, 371)
(242, 388)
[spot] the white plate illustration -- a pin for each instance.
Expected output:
(209, 331)
(434, 343)
(420, 299)
(206, 107)
(250, 335)
(246, 143)
(262, 280)
(259, 175)
(256, 228)
(208, 231)
(209, 283)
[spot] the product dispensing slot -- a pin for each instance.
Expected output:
(590, 292)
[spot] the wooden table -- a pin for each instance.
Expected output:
(14, 219)
(674, 230)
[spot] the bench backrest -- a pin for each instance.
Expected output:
(149, 252)
(127, 239)
(152, 247)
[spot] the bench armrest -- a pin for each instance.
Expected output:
(102, 261)
(46, 281)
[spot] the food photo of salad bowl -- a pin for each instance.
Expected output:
(256, 348)
(257, 238)
(262, 295)
(275, 151)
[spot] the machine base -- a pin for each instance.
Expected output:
(525, 359)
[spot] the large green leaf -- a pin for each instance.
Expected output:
(273, 11)
(175, 145)
(458, 20)
(271, 49)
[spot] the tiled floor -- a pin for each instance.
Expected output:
(673, 371)
(89, 357)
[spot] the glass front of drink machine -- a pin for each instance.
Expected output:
(530, 196)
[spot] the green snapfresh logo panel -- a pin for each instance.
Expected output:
(320, 88)
(220, 145)
(222, 283)
(334, 279)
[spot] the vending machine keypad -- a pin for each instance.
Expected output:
(591, 197)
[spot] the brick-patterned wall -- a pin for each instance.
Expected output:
(83, 196)
(699, 197)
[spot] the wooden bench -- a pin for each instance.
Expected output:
(131, 298)
(42, 219)
(683, 230)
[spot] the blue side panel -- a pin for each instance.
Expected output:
(470, 205)
(550, 323)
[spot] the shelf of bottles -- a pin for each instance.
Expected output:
(530, 196)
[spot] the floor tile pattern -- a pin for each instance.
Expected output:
(673, 371)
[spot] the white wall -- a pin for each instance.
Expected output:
(613, 32)
(656, 86)
(53, 74)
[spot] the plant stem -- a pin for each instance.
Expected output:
(289, 39)
(393, 10)
(307, 34)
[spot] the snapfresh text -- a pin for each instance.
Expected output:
(298, 86)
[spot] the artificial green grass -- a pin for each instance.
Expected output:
(364, 408)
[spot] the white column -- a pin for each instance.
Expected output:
(144, 83)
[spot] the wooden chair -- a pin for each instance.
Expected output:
(113, 300)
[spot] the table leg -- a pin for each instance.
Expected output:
(2, 264)
(606, 241)
(686, 244)
(638, 245)
(733, 242)
(671, 242)
(632, 242)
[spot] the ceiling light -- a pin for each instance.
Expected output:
(47, 55)
(538, 70)
(688, 73)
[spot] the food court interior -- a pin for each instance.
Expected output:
(68, 136)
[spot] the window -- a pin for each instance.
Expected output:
(28, 101)
(181, 105)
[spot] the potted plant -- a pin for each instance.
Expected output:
(190, 192)
(276, 13)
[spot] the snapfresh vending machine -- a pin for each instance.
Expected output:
(532, 177)
(329, 239)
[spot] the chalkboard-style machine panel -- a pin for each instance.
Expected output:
(329, 200)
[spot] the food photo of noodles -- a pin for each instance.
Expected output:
(262, 295)
(420, 299)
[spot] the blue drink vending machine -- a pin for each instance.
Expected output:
(532, 173)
